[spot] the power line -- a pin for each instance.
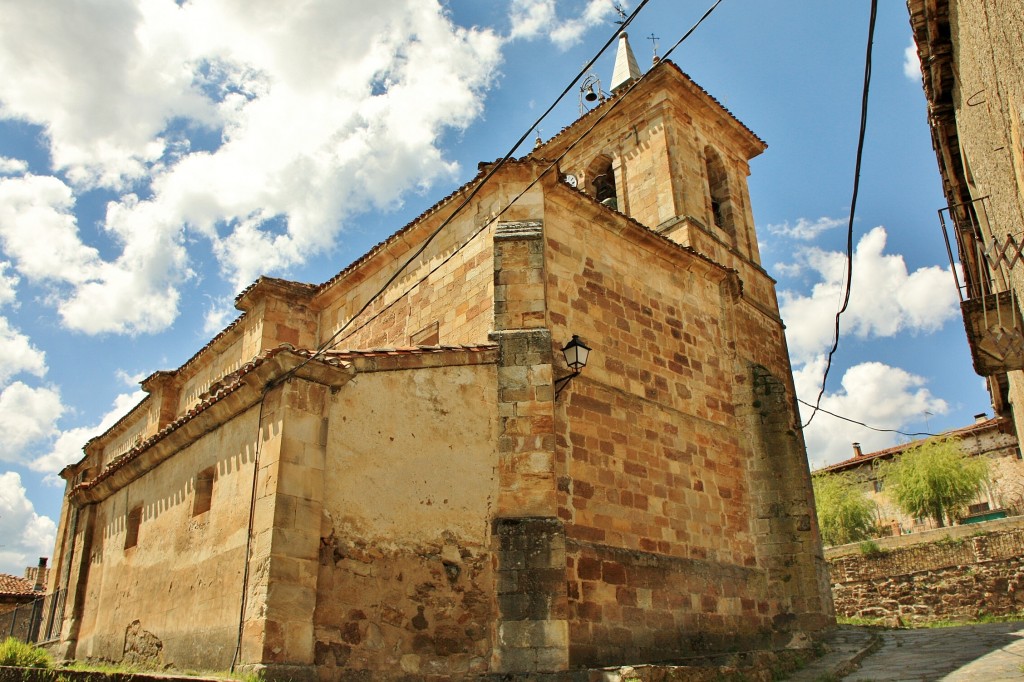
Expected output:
(465, 202)
(818, 408)
(334, 341)
(848, 285)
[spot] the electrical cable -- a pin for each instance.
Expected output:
(511, 203)
(465, 202)
(848, 285)
(873, 428)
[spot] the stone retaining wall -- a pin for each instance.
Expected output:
(960, 572)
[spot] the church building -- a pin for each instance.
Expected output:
(398, 474)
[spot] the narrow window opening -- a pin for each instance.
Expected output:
(204, 491)
(601, 180)
(718, 190)
(132, 523)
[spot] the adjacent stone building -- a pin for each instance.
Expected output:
(393, 474)
(1003, 494)
(972, 59)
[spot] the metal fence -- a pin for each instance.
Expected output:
(36, 621)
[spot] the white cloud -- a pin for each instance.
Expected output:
(886, 298)
(67, 448)
(805, 229)
(27, 415)
(912, 62)
(315, 124)
(874, 393)
(17, 354)
(134, 293)
(534, 18)
(26, 535)
(9, 166)
(530, 18)
(220, 312)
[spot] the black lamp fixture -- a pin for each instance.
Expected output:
(576, 354)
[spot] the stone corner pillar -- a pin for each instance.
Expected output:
(532, 633)
(277, 637)
(785, 518)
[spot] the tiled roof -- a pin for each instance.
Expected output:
(13, 585)
(403, 350)
(654, 69)
(403, 230)
(961, 432)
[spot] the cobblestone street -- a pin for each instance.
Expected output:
(991, 652)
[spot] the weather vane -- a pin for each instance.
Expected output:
(621, 12)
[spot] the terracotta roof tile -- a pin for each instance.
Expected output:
(961, 432)
(670, 64)
(405, 350)
(13, 585)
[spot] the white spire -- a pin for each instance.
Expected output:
(626, 69)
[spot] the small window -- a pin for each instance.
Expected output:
(132, 523)
(878, 486)
(977, 508)
(428, 336)
(204, 491)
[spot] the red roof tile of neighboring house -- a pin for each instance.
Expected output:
(995, 422)
(13, 585)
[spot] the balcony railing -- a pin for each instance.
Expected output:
(992, 316)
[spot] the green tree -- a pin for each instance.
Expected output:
(934, 479)
(845, 514)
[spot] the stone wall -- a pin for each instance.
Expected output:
(959, 572)
(405, 579)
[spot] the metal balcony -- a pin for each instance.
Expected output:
(988, 301)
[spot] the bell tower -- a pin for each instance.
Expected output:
(669, 155)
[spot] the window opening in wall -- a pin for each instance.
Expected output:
(718, 188)
(977, 508)
(601, 178)
(428, 336)
(132, 523)
(878, 486)
(204, 491)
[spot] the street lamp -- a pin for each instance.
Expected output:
(576, 354)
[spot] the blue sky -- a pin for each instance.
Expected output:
(157, 156)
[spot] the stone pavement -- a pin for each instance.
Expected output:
(989, 652)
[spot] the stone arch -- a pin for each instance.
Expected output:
(718, 190)
(601, 181)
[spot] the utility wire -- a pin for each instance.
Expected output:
(553, 164)
(848, 285)
(465, 202)
(873, 428)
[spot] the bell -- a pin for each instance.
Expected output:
(591, 96)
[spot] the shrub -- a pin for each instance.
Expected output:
(16, 653)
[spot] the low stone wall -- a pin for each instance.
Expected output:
(948, 573)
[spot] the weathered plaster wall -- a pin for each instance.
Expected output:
(405, 583)
(181, 583)
(960, 572)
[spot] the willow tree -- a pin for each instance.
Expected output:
(845, 514)
(935, 479)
